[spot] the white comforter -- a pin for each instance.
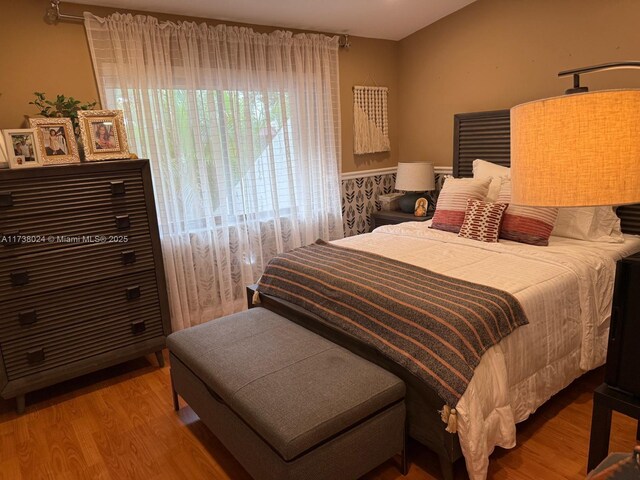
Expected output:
(565, 290)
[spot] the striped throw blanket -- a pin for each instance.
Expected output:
(435, 326)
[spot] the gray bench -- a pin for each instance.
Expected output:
(287, 403)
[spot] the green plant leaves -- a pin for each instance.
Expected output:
(61, 107)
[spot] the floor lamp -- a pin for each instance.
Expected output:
(578, 149)
(583, 149)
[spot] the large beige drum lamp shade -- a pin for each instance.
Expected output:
(577, 150)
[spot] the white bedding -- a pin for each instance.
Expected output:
(565, 290)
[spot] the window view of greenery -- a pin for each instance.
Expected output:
(240, 139)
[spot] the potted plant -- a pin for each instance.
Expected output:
(64, 107)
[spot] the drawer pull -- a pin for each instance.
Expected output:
(11, 239)
(19, 277)
(28, 317)
(117, 188)
(35, 356)
(6, 199)
(129, 257)
(123, 222)
(133, 292)
(138, 326)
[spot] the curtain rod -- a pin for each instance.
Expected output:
(54, 16)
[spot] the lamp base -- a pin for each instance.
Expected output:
(407, 202)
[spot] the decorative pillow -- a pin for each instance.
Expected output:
(482, 221)
(595, 224)
(484, 169)
(530, 225)
(452, 201)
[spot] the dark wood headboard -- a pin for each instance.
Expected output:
(487, 135)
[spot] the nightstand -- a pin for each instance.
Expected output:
(394, 217)
(605, 400)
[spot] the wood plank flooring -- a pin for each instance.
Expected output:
(119, 424)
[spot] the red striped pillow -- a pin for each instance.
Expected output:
(452, 201)
(530, 225)
(482, 221)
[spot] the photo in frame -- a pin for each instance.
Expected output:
(21, 145)
(421, 208)
(103, 134)
(56, 141)
(4, 157)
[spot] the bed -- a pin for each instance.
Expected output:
(565, 290)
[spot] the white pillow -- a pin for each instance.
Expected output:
(594, 224)
(484, 169)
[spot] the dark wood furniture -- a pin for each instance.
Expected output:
(621, 390)
(623, 361)
(605, 400)
(394, 217)
(81, 276)
(485, 135)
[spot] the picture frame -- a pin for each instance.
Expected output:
(56, 141)
(21, 145)
(103, 135)
(4, 156)
(421, 207)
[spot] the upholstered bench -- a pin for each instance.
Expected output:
(287, 403)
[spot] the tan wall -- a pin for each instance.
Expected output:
(369, 62)
(35, 56)
(495, 54)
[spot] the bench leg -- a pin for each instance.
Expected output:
(160, 358)
(600, 432)
(404, 466)
(174, 395)
(20, 404)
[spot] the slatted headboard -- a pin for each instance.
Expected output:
(487, 135)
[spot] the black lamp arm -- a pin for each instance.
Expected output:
(576, 72)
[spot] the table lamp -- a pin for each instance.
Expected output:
(416, 179)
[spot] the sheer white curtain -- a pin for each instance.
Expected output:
(243, 133)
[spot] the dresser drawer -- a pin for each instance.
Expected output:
(26, 235)
(73, 267)
(46, 313)
(59, 194)
(101, 318)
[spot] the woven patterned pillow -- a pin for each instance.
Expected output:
(530, 225)
(482, 221)
(452, 201)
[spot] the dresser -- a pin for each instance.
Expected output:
(81, 276)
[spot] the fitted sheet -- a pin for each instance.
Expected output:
(566, 292)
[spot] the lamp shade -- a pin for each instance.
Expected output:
(577, 150)
(415, 177)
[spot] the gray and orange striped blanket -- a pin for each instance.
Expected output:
(437, 327)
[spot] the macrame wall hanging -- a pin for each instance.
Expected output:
(370, 120)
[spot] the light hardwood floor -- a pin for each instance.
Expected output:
(119, 424)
